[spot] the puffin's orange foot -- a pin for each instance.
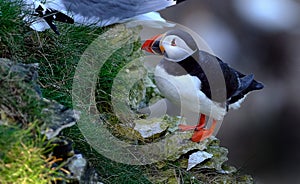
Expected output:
(186, 127)
(201, 134)
(200, 125)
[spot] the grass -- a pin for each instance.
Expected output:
(22, 157)
(109, 71)
(57, 55)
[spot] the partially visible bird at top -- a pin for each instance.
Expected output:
(196, 80)
(94, 12)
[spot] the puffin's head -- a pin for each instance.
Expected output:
(175, 45)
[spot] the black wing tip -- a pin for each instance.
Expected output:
(61, 17)
(179, 1)
(52, 25)
(50, 15)
(55, 15)
(254, 85)
(258, 85)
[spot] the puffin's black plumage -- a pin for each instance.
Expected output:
(237, 84)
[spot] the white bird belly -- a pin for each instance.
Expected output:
(184, 91)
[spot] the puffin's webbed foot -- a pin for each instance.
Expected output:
(201, 134)
(200, 125)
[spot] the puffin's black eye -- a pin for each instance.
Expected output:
(173, 43)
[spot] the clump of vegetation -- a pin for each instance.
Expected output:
(22, 158)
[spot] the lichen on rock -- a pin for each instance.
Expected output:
(150, 128)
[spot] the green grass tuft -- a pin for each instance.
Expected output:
(21, 157)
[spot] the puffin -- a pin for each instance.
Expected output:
(94, 12)
(197, 80)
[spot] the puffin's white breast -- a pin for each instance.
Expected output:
(185, 91)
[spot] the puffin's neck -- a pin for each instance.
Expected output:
(187, 65)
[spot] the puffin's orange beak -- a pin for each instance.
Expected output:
(153, 45)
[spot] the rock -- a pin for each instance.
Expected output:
(20, 94)
(150, 128)
(180, 144)
(91, 177)
(58, 118)
(20, 72)
(218, 158)
(197, 157)
(23, 101)
(25, 93)
(76, 166)
(166, 176)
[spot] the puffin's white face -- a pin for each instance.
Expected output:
(175, 48)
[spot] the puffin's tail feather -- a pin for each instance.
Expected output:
(249, 79)
(256, 85)
(248, 84)
(238, 96)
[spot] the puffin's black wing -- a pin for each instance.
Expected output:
(205, 67)
(228, 87)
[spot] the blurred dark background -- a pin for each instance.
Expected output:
(260, 37)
